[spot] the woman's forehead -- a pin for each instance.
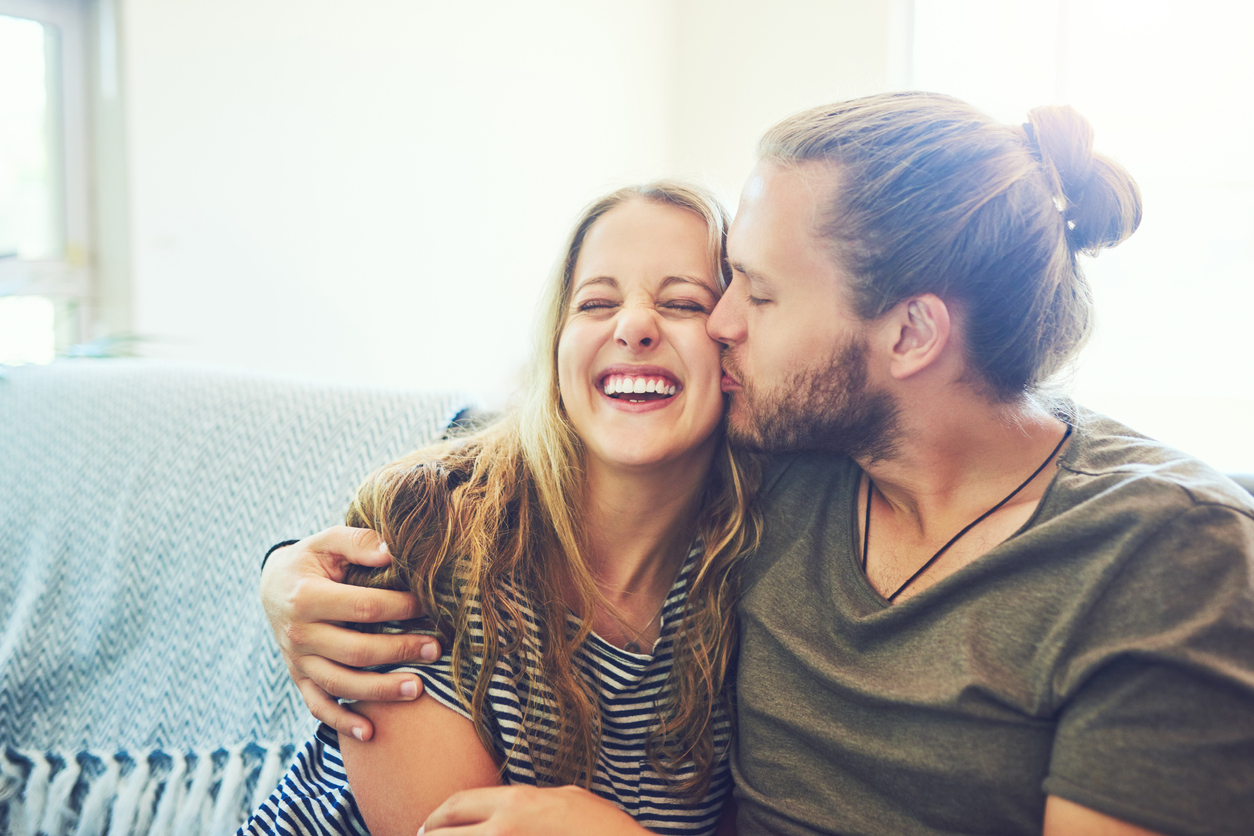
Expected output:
(646, 237)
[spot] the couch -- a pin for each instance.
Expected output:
(140, 689)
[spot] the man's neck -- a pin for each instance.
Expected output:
(954, 460)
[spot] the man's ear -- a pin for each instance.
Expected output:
(918, 330)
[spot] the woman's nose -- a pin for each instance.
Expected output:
(636, 329)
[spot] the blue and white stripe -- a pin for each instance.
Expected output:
(314, 797)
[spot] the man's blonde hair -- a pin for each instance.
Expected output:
(933, 196)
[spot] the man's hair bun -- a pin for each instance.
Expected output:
(1100, 201)
(933, 196)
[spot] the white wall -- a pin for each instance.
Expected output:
(743, 65)
(376, 191)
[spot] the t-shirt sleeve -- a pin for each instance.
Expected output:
(437, 680)
(1156, 696)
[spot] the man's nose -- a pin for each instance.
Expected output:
(727, 321)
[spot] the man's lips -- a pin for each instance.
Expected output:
(731, 375)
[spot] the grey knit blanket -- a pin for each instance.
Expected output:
(140, 689)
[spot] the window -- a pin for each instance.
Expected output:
(1166, 86)
(44, 219)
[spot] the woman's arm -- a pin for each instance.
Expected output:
(421, 753)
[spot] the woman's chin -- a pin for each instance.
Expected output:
(642, 457)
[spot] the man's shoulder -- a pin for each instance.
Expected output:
(787, 474)
(800, 498)
(1109, 462)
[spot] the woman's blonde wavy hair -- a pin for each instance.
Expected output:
(473, 522)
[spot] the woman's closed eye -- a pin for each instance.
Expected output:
(685, 305)
(588, 305)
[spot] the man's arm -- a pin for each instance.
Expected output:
(1154, 725)
(306, 601)
(1066, 818)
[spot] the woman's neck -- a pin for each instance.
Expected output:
(638, 527)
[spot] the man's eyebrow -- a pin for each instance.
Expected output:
(751, 275)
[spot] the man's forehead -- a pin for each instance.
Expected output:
(755, 185)
(777, 239)
(783, 201)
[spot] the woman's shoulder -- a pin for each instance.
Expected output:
(413, 504)
(442, 468)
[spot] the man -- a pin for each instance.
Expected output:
(976, 609)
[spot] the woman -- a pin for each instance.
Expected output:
(580, 558)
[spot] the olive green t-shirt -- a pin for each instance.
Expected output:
(1105, 654)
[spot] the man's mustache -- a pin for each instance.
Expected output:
(729, 365)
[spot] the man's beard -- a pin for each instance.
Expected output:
(826, 407)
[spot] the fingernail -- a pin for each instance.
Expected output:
(358, 733)
(409, 689)
(422, 830)
(383, 547)
(429, 652)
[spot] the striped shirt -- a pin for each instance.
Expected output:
(314, 796)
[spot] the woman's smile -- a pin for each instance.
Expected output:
(639, 388)
(639, 376)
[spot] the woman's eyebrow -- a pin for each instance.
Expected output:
(670, 280)
(608, 281)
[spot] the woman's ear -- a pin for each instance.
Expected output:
(918, 330)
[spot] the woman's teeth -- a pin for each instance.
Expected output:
(617, 385)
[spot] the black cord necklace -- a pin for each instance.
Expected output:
(866, 524)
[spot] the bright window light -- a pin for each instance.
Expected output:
(26, 330)
(30, 206)
(1167, 87)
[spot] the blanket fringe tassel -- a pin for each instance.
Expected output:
(158, 793)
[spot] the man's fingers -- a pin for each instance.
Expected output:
(356, 649)
(351, 684)
(320, 599)
(356, 545)
(328, 711)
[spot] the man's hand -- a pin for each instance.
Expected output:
(304, 597)
(529, 811)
